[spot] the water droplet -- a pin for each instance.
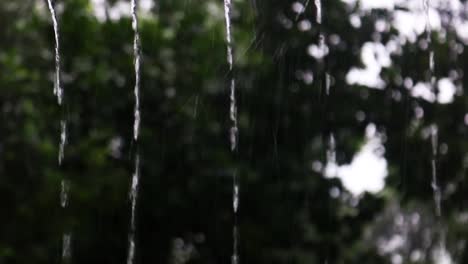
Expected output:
(318, 6)
(235, 200)
(64, 190)
(66, 247)
(63, 140)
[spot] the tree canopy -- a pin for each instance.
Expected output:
(304, 109)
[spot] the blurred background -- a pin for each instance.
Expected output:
(336, 139)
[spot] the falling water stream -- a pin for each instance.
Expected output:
(66, 236)
(133, 194)
(331, 146)
(58, 92)
(441, 247)
(331, 152)
(434, 185)
(434, 129)
(133, 197)
(64, 192)
(57, 86)
(327, 83)
(63, 141)
(136, 53)
(318, 6)
(322, 44)
(233, 132)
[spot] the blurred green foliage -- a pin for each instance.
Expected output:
(286, 213)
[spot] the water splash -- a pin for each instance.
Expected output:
(137, 62)
(57, 86)
(233, 131)
(133, 195)
(66, 246)
(434, 184)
